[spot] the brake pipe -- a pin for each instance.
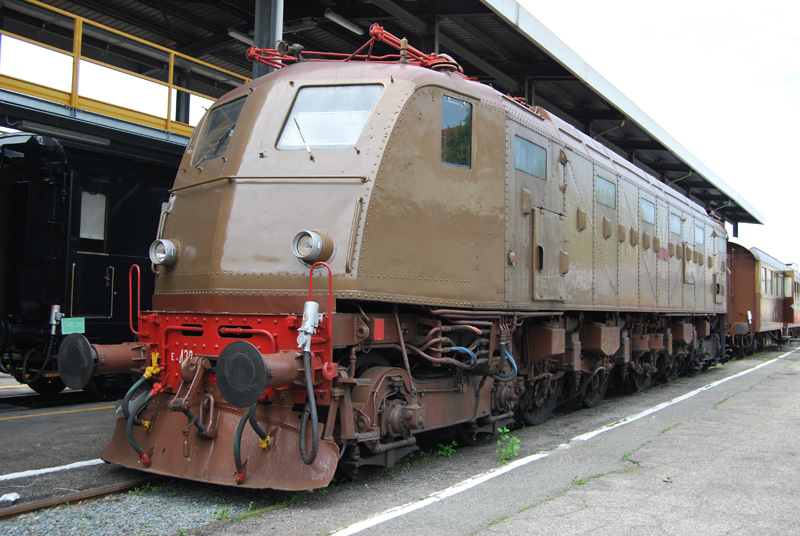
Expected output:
(264, 442)
(129, 424)
(148, 373)
(311, 408)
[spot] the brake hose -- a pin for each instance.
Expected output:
(249, 416)
(311, 407)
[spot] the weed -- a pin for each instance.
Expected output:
(508, 446)
(446, 450)
(181, 532)
(172, 493)
(225, 513)
(144, 489)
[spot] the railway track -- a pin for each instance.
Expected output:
(92, 493)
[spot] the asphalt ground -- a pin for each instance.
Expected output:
(689, 457)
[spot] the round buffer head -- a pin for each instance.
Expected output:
(76, 361)
(241, 374)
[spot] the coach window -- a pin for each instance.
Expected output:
(530, 158)
(606, 192)
(763, 281)
(647, 210)
(674, 224)
(456, 132)
(93, 221)
(699, 236)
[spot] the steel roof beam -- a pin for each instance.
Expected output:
(450, 44)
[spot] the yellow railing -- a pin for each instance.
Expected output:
(75, 96)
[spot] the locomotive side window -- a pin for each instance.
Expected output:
(456, 132)
(328, 117)
(699, 236)
(647, 210)
(606, 192)
(93, 221)
(530, 158)
(218, 131)
(674, 224)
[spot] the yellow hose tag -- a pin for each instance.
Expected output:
(154, 368)
(147, 426)
(265, 443)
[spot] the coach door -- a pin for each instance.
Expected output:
(606, 239)
(91, 275)
(648, 275)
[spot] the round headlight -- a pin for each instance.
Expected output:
(163, 252)
(311, 246)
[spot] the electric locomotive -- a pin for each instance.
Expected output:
(359, 251)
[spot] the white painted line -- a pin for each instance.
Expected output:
(37, 472)
(489, 475)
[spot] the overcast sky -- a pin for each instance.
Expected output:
(721, 77)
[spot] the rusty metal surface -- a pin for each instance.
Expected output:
(191, 457)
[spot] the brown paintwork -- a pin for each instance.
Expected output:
(427, 259)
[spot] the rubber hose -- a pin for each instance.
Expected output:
(254, 423)
(47, 354)
(511, 375)
(237, 440)
(466, 351)
(129, 424)
(311, 408)
(127, 399)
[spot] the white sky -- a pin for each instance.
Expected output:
(721, 77)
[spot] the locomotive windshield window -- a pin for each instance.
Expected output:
(648, 211)
(93, 221)
(218, 131)
(530, 158)
(331, 117)
(456, 132)
(606, 192)
(674, 224)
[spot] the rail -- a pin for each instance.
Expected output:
(106, 71)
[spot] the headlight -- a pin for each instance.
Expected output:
(311, 246)
(163, 252)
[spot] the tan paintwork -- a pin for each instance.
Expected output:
(426, 232)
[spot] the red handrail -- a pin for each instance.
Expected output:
(138, 296)
(330, 284)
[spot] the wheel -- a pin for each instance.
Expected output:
(537, 403)
(668, 368)
(596, 389)
(640, 376)
(367, 361)
(47, 386)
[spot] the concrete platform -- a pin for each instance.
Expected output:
(715, 453)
